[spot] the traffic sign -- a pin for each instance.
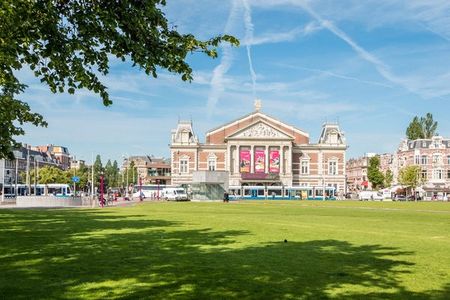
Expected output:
(75, 179)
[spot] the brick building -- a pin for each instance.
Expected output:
(150, 169)
(433, 158)
(259, 150)
(356, 168)
(60, 153)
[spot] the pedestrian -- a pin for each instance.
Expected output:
(226, 197)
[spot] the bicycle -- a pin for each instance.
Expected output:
(105, 202)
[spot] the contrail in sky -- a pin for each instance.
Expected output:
(217, 86)
(248, 41)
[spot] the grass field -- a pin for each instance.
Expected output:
(341, 250)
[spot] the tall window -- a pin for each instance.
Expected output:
(448, 174)
(437, 174)
(211, 164)
(424, 160)
(448, 160)
(423, 174)
(417, 159)
(305, 166)
(184, 167)
(332, 167)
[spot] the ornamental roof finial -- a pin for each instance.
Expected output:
(257, 105)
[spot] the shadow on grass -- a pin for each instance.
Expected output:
(96, 254)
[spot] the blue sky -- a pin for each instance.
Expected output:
(370, 65)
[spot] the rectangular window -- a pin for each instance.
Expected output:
(448, 174)
(332, 168)
(448, 160)
(305, 167)
(423, 174)
(417, 159)
(184, 168)
(211, 164)
(437, 174)
(424, 160)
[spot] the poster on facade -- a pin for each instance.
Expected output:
(274, 164)
(244, 165)
(260, 163)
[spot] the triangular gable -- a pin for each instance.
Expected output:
(260, 130)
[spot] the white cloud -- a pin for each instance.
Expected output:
(288, 36)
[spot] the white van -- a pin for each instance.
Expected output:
(174, 193)
(370, 195)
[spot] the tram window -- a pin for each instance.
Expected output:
(247, 192)
(261, 192)
(319, 193)
(274, 192)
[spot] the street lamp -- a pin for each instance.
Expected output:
(141, 196)
(102, 200)
(126, 171)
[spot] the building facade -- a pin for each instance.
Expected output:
(60, 153)
(149, 169)
(356, 168)
(259, 150)
(433, 158)
(27, 158)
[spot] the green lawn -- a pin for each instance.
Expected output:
(338, 250)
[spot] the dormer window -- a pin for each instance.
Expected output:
(185, 137)
(333, 138)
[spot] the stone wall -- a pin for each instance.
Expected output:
(51, 201)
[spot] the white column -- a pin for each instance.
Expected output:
(228, 160)
(252, 163)
(266, 165)
(237, 158)
(289, 161)
(281, 160)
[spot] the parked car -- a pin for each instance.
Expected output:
(400, 198)
(370, 195)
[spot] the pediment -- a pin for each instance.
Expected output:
(260, 130)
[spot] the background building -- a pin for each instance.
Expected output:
(259, 150)
(433, 158)
(151, 170)
(356, 169)
(27, 158)
(60, 153)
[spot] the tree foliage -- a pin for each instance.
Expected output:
(68, 44)
(414, 130)
(98, 170)
(410, 176)
(46, 175)
(423, 128)
(388, 178)
(429, 126)
(374, 174)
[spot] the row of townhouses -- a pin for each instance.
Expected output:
(29, 158)
(431, 155)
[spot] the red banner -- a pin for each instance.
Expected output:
(245, 161)
(260, 161)
(274, 164)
